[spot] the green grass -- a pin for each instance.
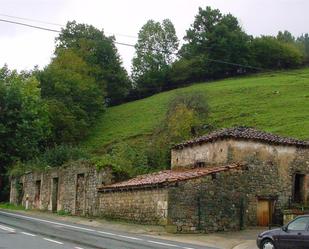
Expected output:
(275, 102)
(10, 206)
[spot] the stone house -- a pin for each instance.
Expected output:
(226, 180)
(71, 188)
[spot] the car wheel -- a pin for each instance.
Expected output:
(268, 244)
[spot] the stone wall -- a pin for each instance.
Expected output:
(58, 188)
(146, 206)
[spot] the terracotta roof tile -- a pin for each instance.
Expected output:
(244, 133)
(167, 176)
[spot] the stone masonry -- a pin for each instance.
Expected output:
(56, 189)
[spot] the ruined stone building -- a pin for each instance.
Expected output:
(71, 188)
(226, 180)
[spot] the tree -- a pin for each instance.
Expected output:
(285, 36)
(184, 119)
(270, 53)
(216, 37)
(303, 44)
(74, 99)
(155, 51)
(24, 123)
(100, 53)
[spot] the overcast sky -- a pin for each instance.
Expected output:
(22, 47)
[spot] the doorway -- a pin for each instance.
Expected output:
(264, 212)
(37, 196)
(80, 194)
(55, 183)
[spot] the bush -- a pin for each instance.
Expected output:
(53, 157)
(61, 154)
(185, 117)
(125, 161)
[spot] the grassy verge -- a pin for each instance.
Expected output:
(10, 206)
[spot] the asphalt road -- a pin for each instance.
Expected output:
(26, 232)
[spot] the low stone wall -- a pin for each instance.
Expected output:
(148, 206)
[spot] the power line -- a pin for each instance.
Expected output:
(54, 30)
(32, 20)
(60, 25)
(129, 45)
(235, 64)
(30, 26)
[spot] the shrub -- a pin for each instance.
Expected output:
(125, 161)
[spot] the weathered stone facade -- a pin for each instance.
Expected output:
(274, 170)
(229, 200)
(71, 188)
(146, 206)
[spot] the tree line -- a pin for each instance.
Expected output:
(42, 109)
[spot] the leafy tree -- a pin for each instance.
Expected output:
(212, 37)
(24, 123)
(155, 51)
(270, 53)
(74, 99)
(100, 53)
(285, 36)
(303, 44)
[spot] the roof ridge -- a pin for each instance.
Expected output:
(169, 176)
(244, 132)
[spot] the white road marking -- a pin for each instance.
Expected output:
(112, 234)
(76, 247)
(89, 230)
(8, 229)
(29, 234)
(54, 241)
(128, 237)
(50, 222)
(161, 243)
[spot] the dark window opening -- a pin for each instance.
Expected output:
(298, 188)
(200, 164)
(55, 183)
(37, 190)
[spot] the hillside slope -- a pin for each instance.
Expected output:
(275, 102)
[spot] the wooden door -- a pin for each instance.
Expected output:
(263, 212)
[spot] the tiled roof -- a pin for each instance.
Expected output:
(244, 133)
(167, 176)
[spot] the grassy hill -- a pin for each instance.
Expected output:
(275, 102)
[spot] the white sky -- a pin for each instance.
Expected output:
(22, 47)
